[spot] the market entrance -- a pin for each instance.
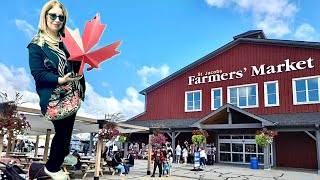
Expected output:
(239, 149)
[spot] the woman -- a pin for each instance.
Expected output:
(185, 155)
(117, 163)
(130, 163)
(158, 159)
(50, 68)
(178, 153)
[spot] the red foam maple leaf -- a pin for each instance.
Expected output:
(79, 47)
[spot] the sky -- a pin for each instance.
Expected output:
(159, 37)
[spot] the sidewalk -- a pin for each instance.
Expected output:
(215, 172)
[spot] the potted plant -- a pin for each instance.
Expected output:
(265, 137)
(158, 139)
(10, 118)
(122, 139)
(199, 136)
(109, 131)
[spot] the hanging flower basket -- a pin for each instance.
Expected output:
(265, 137)
(199, 136)
(11, 119)
(157, 140)
(109, 131)
(122, 139)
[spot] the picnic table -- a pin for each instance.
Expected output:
(89, 167)
(85, 157)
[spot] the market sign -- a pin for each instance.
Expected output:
(219, 75)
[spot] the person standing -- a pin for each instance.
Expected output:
(21, 146)
(178, 153)
(203, 156)
(158, 159)
(185, 155)
(50, 68)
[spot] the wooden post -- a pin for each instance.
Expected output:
(1, 144)
(126, 149)
(90, 144)
(36, 146)
(46, 146)
(13, 144)
(318, 149)
(98, 158)
(149, 155)
(9, 144)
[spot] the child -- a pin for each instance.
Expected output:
(168, 164)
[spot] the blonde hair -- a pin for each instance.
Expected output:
(48, 6)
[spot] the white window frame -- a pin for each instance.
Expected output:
(295, 102)
(212, 96)
(245, 85)
(186, 101)
(266, 104)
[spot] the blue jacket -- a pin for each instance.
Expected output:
(43, 65)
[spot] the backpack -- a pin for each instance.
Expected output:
(13, 172)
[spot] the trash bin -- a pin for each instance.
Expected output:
(254, 163)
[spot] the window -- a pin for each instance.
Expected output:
(244, 96)
(193, 101)
(216, 98)
(306, 90)
(271, 93)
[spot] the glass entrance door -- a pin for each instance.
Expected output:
(239, 149)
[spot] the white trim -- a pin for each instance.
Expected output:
(307, 95)
(244, 85)
(243, 153)
(186, 102)
(266, 93)
(212, 100)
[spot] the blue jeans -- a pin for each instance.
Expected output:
(121, 168)
(127, 167)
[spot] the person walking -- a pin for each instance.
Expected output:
(203, 157)
(158, 159)
(50, 68)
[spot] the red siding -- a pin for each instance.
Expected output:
(168, 100)
(296, 149)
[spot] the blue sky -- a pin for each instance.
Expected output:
(159, 38)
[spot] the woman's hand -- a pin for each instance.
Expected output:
(67, 78)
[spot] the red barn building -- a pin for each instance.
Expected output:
(249, 84)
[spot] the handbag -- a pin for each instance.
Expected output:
(70, 160)
(64, 101)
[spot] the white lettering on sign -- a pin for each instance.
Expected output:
(219, 75)
(286, 66)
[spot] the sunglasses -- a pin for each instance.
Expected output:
(53, 17)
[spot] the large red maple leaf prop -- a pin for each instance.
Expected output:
(79, 47)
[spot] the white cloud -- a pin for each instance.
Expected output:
(273, 16)
(27, 28)
(148, 72)
(14, 80)
(17, 80)
(305, 32)
(97, 106)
